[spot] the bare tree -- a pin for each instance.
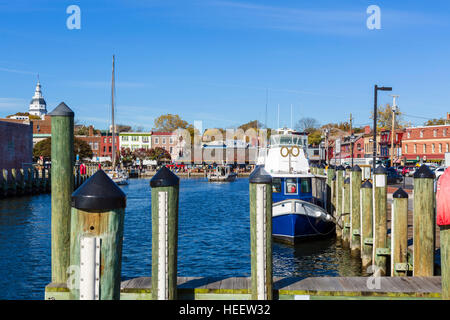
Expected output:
(307, 125)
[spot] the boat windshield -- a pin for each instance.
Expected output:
(286, 140)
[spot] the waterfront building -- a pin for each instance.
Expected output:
(166, 140)
(94, 141)
(16, 145)
(135, 140)
(106, 144)
(38, 106)
(426, 144)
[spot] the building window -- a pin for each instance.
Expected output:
(171, 140)
(409, 134)
(406, 148)
(110, 140)
(440, 147)
(124, 138)
(156, 140)
(109, 149)
(434, 133)
(421, 133)
(104, 149)
(95, 145)
(424, 148)
(171, 149)
(446, 147)
(135, 138)
(104, 140)
(415, 148)
(444, 132)
(145, 139)
(163, 140)
(433, 148)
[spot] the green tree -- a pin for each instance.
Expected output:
(315, 137)
(384, 118)
(44, 148)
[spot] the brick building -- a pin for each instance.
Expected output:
(16, 145)
(94, 141)
(106, 144)
(427, 144)
(165, 140)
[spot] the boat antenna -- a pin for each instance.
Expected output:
(278, 116)
(292, 127)
(267, 101)
(112, 119)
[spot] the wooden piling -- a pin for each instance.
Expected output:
(339, 185)
(366, 224)
(61, 189)
(330, 176)
(424, 222)
(261, 234)
(355, 209)
(96, 237)
(165, 190)
(21, 183)
(399, 233)
(380, 249)
(29, 181)
(346, 213)
(3, 184)
(13, 184)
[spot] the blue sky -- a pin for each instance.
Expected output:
(212, 60)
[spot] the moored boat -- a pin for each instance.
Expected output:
(295, 213)
(222, 174)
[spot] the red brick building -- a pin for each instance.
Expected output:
(165, 140)
(16, 145)
(428, 144)
(106, 144)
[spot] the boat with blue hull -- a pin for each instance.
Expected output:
(298, 196)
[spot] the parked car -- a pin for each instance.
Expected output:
(409, 170)
(439, 171)
(393, 176)
(399, 169)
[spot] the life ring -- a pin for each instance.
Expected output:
(292, 151)
(281, 152)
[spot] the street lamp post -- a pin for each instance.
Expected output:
(376, 89)
(352, 141)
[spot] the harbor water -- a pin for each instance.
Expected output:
(214, 239)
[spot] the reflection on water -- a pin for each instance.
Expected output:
(214, 239)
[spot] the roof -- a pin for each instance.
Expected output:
(161, 133)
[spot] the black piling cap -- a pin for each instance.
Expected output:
(367, 184)
(400, 194)
(380, 170)
(99, 192)
(347, 181)
(340, 168)
(331, 166)
(62, 110)
(322, 166)
(356, 168)
(164, 178)
(424, 172)
(260, 175)
(348, 168)
(334, 178)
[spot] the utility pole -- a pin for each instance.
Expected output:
(394, 110)
(351, 137)
(375, 103)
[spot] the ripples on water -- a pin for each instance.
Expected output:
(213, 239)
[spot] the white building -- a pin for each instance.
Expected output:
(38, 106)
(135, 140)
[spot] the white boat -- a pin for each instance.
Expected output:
(119, 177)
(222, 174)
(296, 214)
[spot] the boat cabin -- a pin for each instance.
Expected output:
(285, 188)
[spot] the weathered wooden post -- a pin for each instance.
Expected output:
(399, 233)
(380, 249)
(321, 169)
(165, 190)
(3, 184)
(61, 189)
(346, 213)
(96, 237)
(13, 185)
(339, 209)
(21, 182)
(355, 209)
(6, 182)
(330, 176)
(333, 196)
(424, 222)
(29, 181)
(366, 224)
(261, 234)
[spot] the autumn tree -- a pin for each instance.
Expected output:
(384, 118)
(435, 122)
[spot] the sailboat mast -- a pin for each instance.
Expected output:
(112, 120)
